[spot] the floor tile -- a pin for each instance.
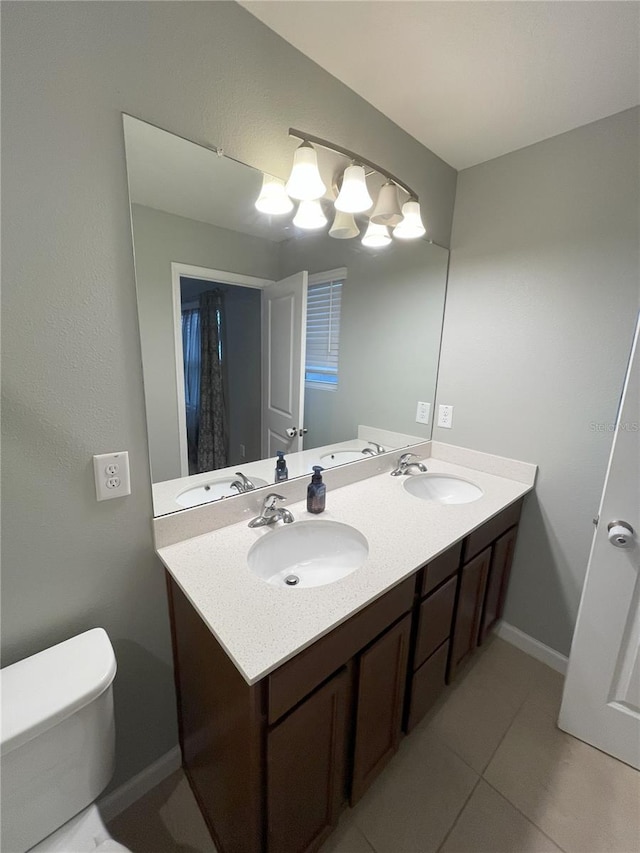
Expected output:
(586, 801)
(166, 820)
(347, 838)
(414, 802)
(490, 824)
(474, 719)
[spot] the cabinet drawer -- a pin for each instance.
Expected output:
(427, 684)
(496, 526)
(434, 622)
(441, 568)
(302, 674)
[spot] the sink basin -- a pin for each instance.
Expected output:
(339, 457)
(218, 487)
(315, 552)
(442, 488)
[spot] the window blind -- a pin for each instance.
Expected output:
(324, 301)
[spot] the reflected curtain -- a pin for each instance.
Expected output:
(213, 433)
(191, 361)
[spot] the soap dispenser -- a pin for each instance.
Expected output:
(316, 492)
(282, 472)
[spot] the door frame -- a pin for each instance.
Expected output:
(179, 270)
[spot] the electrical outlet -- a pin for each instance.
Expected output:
(422, 413)
(445, 416)
(243, 451)
(111, 472)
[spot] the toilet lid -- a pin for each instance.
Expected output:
(111, 845)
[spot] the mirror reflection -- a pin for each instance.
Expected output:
(258, 336)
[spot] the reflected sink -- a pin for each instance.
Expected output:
(442, 488)
(313, 552)
(339, 457)
(219, 487)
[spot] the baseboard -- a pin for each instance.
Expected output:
(532, 647)
(121, 798)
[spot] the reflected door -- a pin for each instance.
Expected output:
(601, 702)
(284, 335)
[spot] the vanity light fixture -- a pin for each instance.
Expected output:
(310, 215)
(411, 225)
(273, 197)
(377, 236)
(344, 226)
(306, 185)
(354, 196)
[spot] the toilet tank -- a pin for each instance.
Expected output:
(57, 736)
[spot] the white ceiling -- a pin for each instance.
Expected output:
(473, 80)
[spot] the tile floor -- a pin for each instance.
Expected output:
(487, 771)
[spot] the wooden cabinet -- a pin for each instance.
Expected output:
(498, 580)
(272, 764)
(471, 589)
(306, 769)
(381, 680)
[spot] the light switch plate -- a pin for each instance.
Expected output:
(111, 472)
(422, 413)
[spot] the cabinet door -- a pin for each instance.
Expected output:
(380, 689)
(306, 770)
(471, 591)
(499, 571)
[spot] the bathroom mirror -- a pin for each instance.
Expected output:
(316, 346)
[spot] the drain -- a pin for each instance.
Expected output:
(292, 580)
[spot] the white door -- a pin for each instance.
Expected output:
(284, 338)
(601, 702)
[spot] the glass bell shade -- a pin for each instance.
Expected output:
(387, 210)
(344, 226)
(273, 197)
(354, 196)
(411, 226)
(305, 183)
(376, 236)
(310, 215)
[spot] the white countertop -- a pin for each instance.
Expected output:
(261, 626)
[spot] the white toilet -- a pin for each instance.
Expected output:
(58, 747)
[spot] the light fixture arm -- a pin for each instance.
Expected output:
(356, 158)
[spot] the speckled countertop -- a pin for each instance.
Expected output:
(261, 626)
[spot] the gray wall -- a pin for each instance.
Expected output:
(542, 300)
(161, 238)
(390, 325)
(71, 355)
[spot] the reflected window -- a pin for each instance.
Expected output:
(324, 303)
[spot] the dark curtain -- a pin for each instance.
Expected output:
(191, 361)
(213, 433)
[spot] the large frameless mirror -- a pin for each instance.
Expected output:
(259, 336)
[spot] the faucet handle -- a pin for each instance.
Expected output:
(377, 447)
(406, 457)
(270, 501)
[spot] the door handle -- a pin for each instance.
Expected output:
(621, 534)
(292, 432)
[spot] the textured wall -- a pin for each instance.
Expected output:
(541, 305)
(71, 357)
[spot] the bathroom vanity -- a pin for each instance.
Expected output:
(291, 701)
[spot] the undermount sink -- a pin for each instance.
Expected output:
(308, 553)
(443, 488)
(339, 457)
(212, 490)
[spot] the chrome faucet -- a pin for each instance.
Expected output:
(270, 513)
(244, 484)
(375, 450)
(403, 466)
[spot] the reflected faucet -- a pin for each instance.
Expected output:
(270, 513)
(244, 484)
(403, 466)
(375, 450)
